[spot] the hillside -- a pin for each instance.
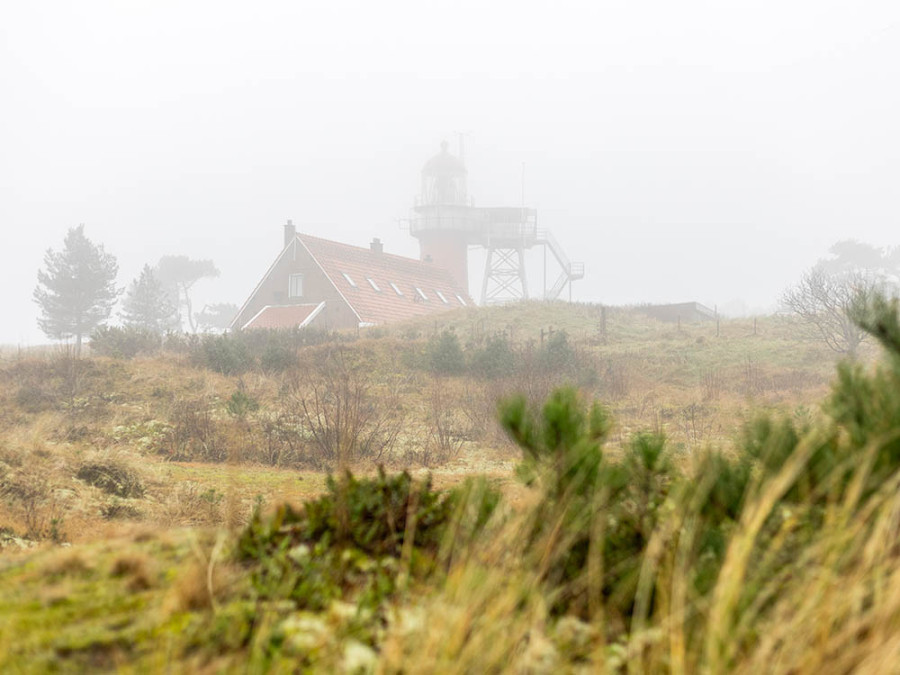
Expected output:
(126, 482)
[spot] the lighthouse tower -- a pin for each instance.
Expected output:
(443, 221)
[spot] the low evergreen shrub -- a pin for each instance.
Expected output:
(124, 342)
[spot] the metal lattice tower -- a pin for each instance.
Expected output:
(504, 275)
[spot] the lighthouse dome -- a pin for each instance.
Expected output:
(444, 179)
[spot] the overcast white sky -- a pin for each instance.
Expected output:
(684, 150)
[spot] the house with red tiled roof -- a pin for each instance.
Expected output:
(322, 283)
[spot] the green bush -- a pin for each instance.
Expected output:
(235, 353)
(124, 342)
(444, 355)
(112, 476)
(351, 539)
(610, 510)
(241, 404)
(612, 507)
(556, 354)
(224, 354)
(495, 360)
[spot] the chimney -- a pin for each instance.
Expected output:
(289, 232)
(376, 246)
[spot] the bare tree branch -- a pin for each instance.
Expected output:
(823, 301)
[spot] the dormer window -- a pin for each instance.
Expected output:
(441, 296)
(349, 280)
(421, 293)
(295, 286)
(373, 285)
(396, 289)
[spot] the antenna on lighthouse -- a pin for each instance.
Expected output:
(523, 187)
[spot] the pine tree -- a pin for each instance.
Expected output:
(76, 289)
(147, 305)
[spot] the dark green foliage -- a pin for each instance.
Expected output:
(556, 354)
(593, 506)
(241, 404)
(113, 477)
(614, 533)
(124, 343)
(224, 354)
(116, 509)
(351, 539)
(771, 442)
(271, 351)
(866, 405)
(563, 446)
(444, 354)
(495, 360)
(76, 289)
(277, 357)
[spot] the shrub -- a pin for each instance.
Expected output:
(194, 504)
(352, 538)
(616, 536)
(589, 503)
(272, 351)
(116, 509)
(444, 354)
(339, 407)
(444, 440)
(277, 357)
(32, 495)
(124, 342)
(113, 476)
(495, 360)
(193, 433)
(241, 404)
(224, 354)
(556, 354)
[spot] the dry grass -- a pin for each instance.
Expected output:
(138, 415)
(486, 616)
(137, 569)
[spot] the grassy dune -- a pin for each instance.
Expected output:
(142, 522)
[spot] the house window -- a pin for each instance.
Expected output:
(441, 296)
(373, 285)
(295, 286)
(349, 280)
(461, 301)
(396, 290)
(421, 293)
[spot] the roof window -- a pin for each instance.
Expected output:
(441, 296)
(461, 300)
(373, 285)
(396, 290)
(421, 293)
(349, 280)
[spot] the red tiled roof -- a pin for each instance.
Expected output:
(282, 316)
(385, 305)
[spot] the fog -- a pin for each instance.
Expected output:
(685, 150)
